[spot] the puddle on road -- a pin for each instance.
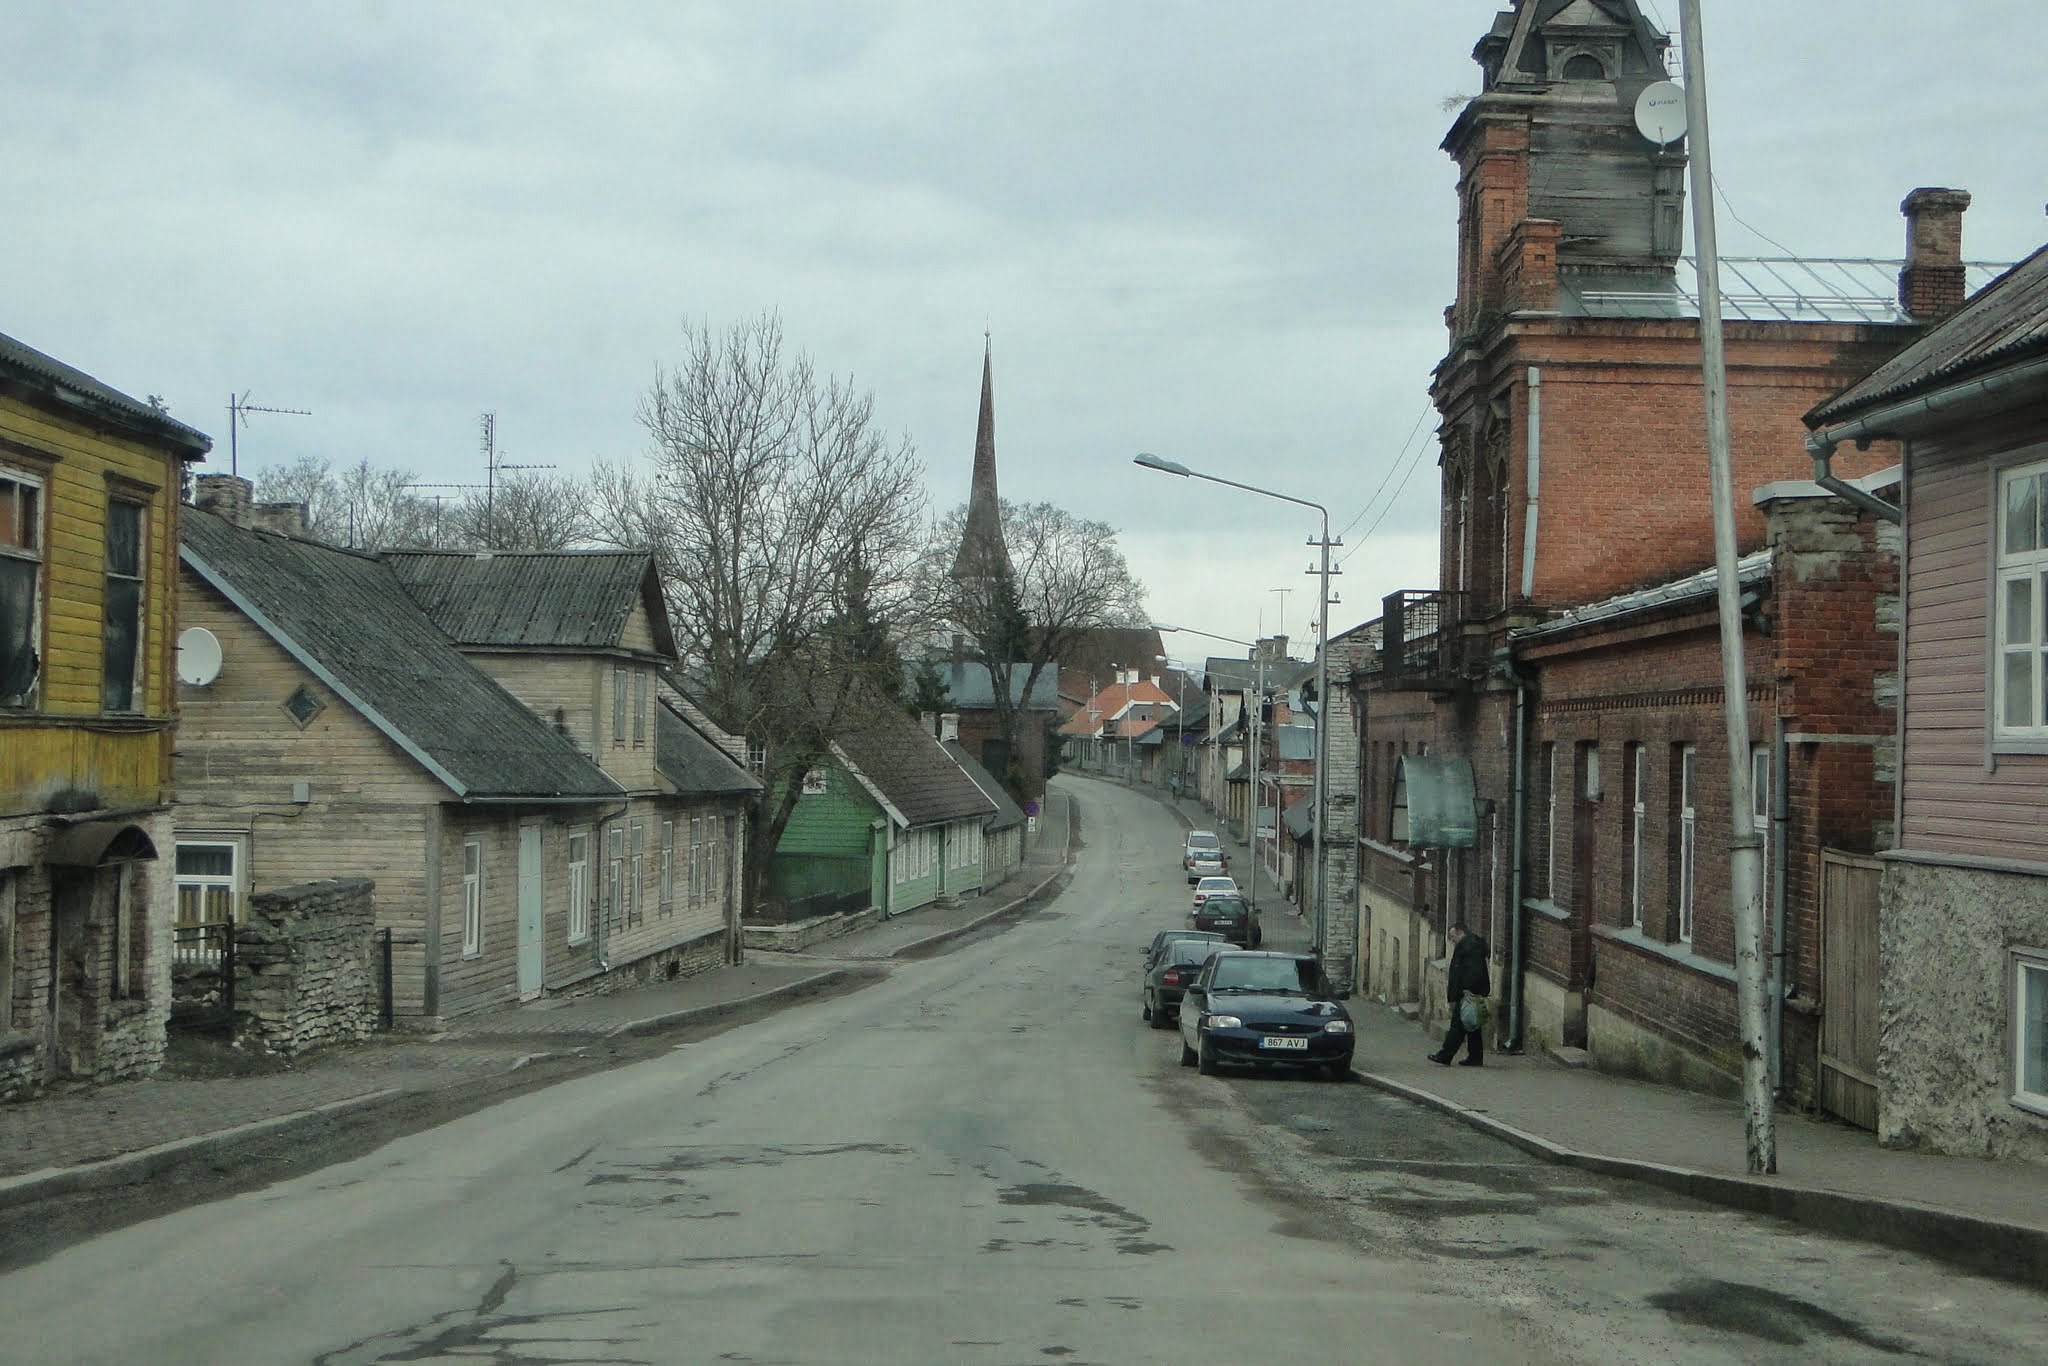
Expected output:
(1753, 1311)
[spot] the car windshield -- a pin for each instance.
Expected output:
(1264, 974)
(1224, 906)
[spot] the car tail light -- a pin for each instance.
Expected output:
(1171, 979)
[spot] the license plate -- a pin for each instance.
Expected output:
(1281, 1041)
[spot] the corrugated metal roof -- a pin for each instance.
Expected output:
(909, 766)
(1008, 815)
(2008, 319)
(72, 387)
(1753, 568)
(569, 599)
(690, 760)
(969, 687)
(1758, 289)
(345, 615)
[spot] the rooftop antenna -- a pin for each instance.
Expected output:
(239, 409)
(493, 462)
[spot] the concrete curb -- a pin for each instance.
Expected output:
(654, 1024)
(126, 1169)
(1986, 1247)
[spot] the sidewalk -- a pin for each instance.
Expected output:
(1991, 1217)
(124, 1132)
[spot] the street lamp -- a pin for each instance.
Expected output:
(1258, 714)
(1322, 799)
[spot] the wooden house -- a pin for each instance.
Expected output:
(479, 735)
(1960, 947)
(89, 514)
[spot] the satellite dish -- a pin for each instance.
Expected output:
(1660, 112)
(198, 656)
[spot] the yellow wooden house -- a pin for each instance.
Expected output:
(89, 498)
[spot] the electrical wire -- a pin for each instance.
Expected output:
(1392, 465)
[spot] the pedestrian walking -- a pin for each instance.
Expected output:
(1467, 986)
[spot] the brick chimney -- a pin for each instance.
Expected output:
(1931, 285)
(226, 496)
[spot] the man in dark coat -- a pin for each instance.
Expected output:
(1467, 977)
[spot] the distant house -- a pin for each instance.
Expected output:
(1003, 835)
(888, 819)
(970, 696)
(1961, 945)
(89, 518)
(479, 735)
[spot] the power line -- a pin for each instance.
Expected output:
(1413, 465)
(1392, 465)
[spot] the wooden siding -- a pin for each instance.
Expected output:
(1949, 800)
(80, 468)
(835, 824)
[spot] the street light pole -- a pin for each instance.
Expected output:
(1322, 797)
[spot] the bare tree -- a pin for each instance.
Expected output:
(1065, 577)
(524, 512)
(786, 527)
(359, 507)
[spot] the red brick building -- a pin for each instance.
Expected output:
(1539, 733)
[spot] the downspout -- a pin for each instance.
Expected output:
(597, 931)
(1512, 1043)
(1781, 818)
(1535, 478)
(1883, 422)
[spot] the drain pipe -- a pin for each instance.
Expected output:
(1780, 828)
(1513, 1041)
(1881, 423)
(1535, 469)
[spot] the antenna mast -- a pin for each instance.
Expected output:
(493, 463)
(239, 409)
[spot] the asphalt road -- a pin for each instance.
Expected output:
(983, 1158)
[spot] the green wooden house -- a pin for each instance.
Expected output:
(889, 820)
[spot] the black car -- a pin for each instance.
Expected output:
(1172, 973)
(1268, 1009)
(1165, 937)
(1236, 919)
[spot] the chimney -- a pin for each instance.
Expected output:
(227, 496)
(949, 726)
(286, 519)
(959, 648)
(1931, 284)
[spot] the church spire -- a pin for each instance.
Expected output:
(981, 543)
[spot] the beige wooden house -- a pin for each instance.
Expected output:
(478, 734)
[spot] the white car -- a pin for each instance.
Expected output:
(1215, 886)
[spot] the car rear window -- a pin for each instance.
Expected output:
(1223, 906)
(1191, 950)
(1196, 842)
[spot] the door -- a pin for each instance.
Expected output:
(1848, 987)
(532, 960)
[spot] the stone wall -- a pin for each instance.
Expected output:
(1944, 1062)
(304, 975)
(801, 934)
(665, 965)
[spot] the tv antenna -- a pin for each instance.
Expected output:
(494, 462)
(239, 409)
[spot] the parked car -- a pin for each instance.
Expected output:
(1206, 863)
(1215, 886)
(1171, 975)
(1236, 919)
(1267, 1009)
(1202, 842)
(1165, 937)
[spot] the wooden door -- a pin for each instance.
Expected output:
(1848, 987)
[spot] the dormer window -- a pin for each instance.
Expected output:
(1582, 65)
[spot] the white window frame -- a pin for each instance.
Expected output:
(668, 866)
(816, 782)
(1550, 821)
(639, 708)
(202, 884)
(31, 549)
(472, 898)
(1639, 777)
(2029, 1030)
(619, 695)
(614, 876)
(2020, 652)
(1688, 838)
(579, 885)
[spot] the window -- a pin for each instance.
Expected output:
(1685, 836)
(579, 886)
(757, 758)
(472, 898)
(21, 596)
(1550, 821)
(636, 885)
(614, 876)
(1760, 816)
(618, 704)
(816, 783)
(121, 621)
(1397, 825)
(2022, 602)
(208, 890)
(117, 896)
(1583, 66)
(668, 867)
(696, 859)
(1635, 776)
(639, 707)
(2030, 1029)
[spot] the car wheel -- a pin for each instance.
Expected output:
(1187, 1055)
(1145, 1010)
(1338, 1071)
(1205, 1061)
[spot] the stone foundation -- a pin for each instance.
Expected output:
(1618, 1045)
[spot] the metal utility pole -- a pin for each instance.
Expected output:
(1745, 849)
(239, 409)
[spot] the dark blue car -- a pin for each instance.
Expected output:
(1268, 1010)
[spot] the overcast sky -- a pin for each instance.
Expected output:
(1221, 233)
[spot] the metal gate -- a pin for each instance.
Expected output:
(1848, 987)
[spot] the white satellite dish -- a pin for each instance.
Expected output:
(198, 656)
(1660, 112)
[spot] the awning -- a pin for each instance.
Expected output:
(92, 843)
(1435, 794)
